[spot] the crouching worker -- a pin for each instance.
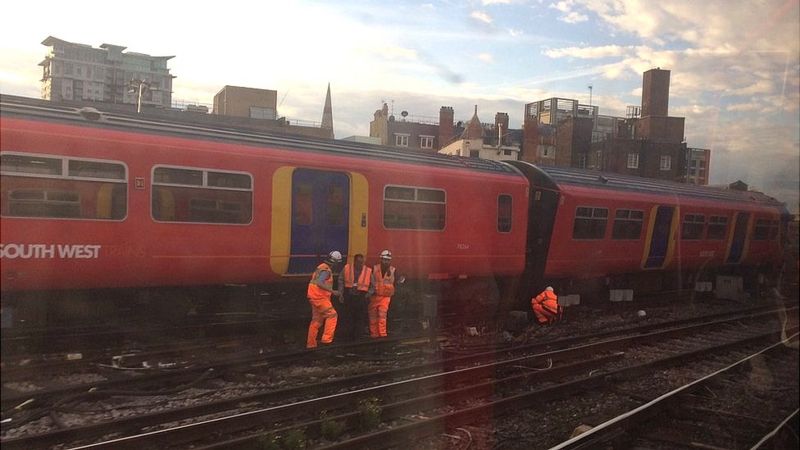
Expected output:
(545, 307)
(319, 293)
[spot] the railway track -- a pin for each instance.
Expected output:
(721, 410)
(441, 382)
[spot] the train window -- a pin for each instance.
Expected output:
(201, 196)
(717, 227)
(590, 223)
(504, 213)
(167, 175)
(773, 230)
(63, 188)
(410, 208)
(627, 224)
(96, 169)
(336, 206)
(693, 225)
(399, 193)
(34, 165)
(765, 229)
(44, 203)
(229, 180)
(302, 210)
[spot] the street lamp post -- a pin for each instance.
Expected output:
(141, 86)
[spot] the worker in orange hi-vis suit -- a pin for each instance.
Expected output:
(381, 291)
(545, 306)
(319, 293)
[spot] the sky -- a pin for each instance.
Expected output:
(735, 65)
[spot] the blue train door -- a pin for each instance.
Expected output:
(659, 242)
(320, 212)
(738, 241)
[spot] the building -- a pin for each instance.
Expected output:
(649, 143)
(80, 72)
(485, 142)
(258, 108)
(419, 133)
(426, 134)
(545, 142)
(699, 166)
(237, 101)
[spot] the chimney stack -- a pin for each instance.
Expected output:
(501, 123)
(446, 117)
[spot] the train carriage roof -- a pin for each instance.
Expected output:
(560, 177)
(28, 108)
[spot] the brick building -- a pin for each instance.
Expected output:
(647, 143)
(483, 141)
(651, 145)
(427, 134)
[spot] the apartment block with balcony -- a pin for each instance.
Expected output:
(80, 72)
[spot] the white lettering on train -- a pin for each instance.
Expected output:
(49, 251)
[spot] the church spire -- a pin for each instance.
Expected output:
(327, 113)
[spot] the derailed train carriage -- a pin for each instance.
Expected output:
(107, 201)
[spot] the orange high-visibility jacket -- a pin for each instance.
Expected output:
(548, 299)
(384, 286)
(315, 292)
(363, 279)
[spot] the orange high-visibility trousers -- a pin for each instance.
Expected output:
(322, 312)
(544, 313)
(377, 310)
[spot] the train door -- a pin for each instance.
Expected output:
(661, 232)
(736, 246)
(319, 217)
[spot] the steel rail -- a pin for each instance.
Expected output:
(609, 345)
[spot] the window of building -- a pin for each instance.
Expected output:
(717, 227)
(590, 223)
(693, 163)
(401, 140)
(702, 163)
(426, 142)
(627, 224)
(504, 213)
(598, 159)
(260, 112)
(633, 160)
(63, 187)
(666, 162)
(201, 196)
(474, 154)
(582, 161)
(507, 152)
(414, 208)
(547, 150)
(693, 225)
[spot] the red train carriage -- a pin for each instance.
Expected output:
(102, 201)
(630, 232)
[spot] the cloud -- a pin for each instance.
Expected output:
(481, 16)
(569, 14)
(495, 2)
(486, 57)
(588, 52)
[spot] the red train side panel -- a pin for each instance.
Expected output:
(162, 207)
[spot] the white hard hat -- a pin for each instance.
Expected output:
(386, 254)
(334, 257)
(549, 288)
